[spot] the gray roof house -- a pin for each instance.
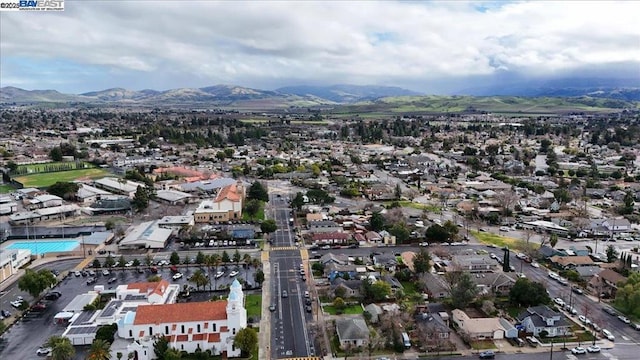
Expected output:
(352, 332)
(436, 287)
(498, 283)
(351, 287)
(375, 311)
(541, 318)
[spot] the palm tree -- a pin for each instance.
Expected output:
(199, 279)
(216, 260)
(246, 259)
(61, 348)
(100, 350)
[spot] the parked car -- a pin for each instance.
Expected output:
(77, 273)
(578, 350)
(487, 354)
(608, 335)
(577, 290)
(91, 280)
(52, 296)
(112, 280)
(233, 273)
(558, 301)
(43, 351)
(308, 308)
(105, 272)
(219, 274)
(609, 311)
(535, 264)
(16, 304)
(624, 319)
(39, 307)
(593, 349)
(5, 313)
(635, 326)
(177, 276)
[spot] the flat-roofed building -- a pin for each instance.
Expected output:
(147, 235)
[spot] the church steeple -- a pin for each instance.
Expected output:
(236, 312)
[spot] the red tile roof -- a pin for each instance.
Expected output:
(150, 287)
(181, 312)
(229, 192)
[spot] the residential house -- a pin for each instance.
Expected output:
(435, 285)
(494, 328)
(387, 261)
(321, 226)
(375, 311)
(606, 283)
(570, 262)
(351, 287)
(332, 238)
(352, 332)
(541, 318)
(497, 283)
(433, 323)
(474, 263)
(617, 225)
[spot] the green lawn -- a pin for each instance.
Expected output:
(5, 189)
(38, 168)
(483, 345)
(349, 310)
(47, 179)
(257, 217)
(409, 288)
(413, 205)
(498, 240)
(253, 303)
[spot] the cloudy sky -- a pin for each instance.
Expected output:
(433, 47)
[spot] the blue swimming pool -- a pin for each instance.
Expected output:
(45, 246)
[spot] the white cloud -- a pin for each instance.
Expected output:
(367, 42)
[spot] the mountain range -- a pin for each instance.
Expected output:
(304, 95)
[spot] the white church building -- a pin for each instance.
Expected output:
(210, 325)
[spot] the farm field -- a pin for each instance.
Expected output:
(47, 179)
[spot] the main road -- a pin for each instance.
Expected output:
(290, 337)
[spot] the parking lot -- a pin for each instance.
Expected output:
(23, 339)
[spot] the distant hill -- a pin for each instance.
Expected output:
(14, 94)
(611, 88)
(347, 93)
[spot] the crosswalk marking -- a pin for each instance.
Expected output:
(284, 248)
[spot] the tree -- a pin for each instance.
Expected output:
(463, 290)
(257, 191)
(121, 261)
(528, 293)
(339, 304)
(259, 277)
(436, 233)
(140, 199)
(55, 154)
(268, 226)
(106, 333)
(252, 206)
(298, 201)
(401, 233)
(35, 282)
(628, 295)
(109, 261)
(422, 262)
(174, 259)
(246, 340)
(506, 267)
(553, 240)
(200, 259)
(376, 290)
(64, 189)
(237, 257)
(398, 191)
(225, 257)
(172, 354)
(376, 222)
(61, 348)
(160, 347)
(611, 253)
(99, 350)
(95, 264)
(199, 279)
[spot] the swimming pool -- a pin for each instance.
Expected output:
(46, 246)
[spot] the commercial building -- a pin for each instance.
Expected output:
(226, 206)
(148, 235)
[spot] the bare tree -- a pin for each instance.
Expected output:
(507, 199)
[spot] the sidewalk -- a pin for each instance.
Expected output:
(264, 336)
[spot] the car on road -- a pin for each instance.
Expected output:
(635, 326)
(487, 354)
(608, 335)
(535, 264)
(308, 308)
(593, 349)
(112, 280)
(5, 313)
(43, 351)
(91, 280)
(16, 304)
(39, 307)
(219, 274)
(577, 290)
(284, 294)
(177, 276)
(233, 273)
(609, 311)
(624, 319)
(583, 319)
(505, 228)
(578, 350)
(129, 264)
(272, 308)
(54, 295)
(558, 301)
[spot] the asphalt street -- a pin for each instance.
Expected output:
(290, 337)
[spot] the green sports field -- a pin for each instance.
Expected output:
(5, 189)
(47, 179)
